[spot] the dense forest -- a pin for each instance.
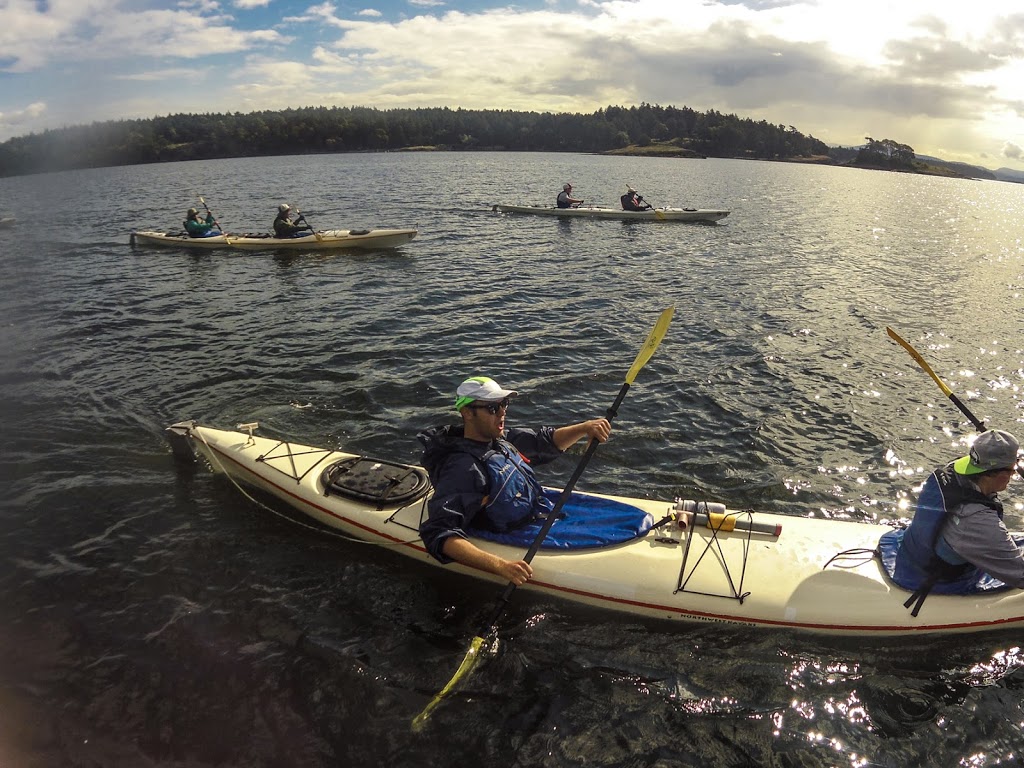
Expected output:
(359, 129)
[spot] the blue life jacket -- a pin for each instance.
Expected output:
(515, 497)
(924, 558)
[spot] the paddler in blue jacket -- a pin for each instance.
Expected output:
(958, 532)
(482, 476)
(197, 228)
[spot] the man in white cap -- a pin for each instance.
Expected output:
(284, 226)
(482, 476)
(958, 533)
(631, 201)
(565, 198)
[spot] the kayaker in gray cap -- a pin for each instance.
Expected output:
(958, 532)
(482, 475)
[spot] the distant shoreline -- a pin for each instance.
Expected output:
(668, 150)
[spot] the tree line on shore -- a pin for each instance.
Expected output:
(313, 130)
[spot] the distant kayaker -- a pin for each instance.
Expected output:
(482, 476)
(957, 532)
(197, 228)
(285, 227)
(565, 198)
(631, 201)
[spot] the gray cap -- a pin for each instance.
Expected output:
(994, 449)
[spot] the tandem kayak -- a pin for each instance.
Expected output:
(327, 239)
(597, 212)
(745, 568)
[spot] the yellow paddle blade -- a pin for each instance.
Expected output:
(467, 665)
(653, 340)
(920, 360)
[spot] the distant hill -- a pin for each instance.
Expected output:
(963, 169)
(1008, 174)
(846, 155)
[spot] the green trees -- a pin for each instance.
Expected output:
(886, 153)
(353, 129)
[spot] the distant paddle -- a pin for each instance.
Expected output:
(210, 213)
(300, 216)
(473, 654)
(657, 214)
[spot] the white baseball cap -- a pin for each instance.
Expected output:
(480, 388)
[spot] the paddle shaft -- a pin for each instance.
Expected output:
(209, 212)
(646, 352)
(552, 515)
(300, 216)
(473, 654)
(978, 423)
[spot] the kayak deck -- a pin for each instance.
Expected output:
(771, 571)
(321, 240)
(600, 212)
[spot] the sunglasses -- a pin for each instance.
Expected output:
(491, 408)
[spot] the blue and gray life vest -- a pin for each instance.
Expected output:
(924, 558)
(516, 497)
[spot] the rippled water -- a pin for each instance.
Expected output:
(153, 616)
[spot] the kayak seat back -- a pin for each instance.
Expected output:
(375, 482)
(889, 545)
(585, 522)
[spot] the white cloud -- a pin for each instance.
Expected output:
(21, 116)
(33, 36)
(936, 75)
(1012, 150)
(158, 75)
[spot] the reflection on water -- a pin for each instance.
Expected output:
(156, 617)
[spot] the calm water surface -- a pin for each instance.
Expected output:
(155, 617)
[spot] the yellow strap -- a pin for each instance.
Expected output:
(720, 522)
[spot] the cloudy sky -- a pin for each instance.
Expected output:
(945, 77)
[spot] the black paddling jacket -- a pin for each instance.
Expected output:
(481, 485)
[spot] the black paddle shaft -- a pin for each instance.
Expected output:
(552, 515)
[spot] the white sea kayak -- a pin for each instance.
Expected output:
(770, 571)
(598, 212)
(322, 240)
(7, 221)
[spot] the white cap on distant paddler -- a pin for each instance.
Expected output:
(994, 449)
(284, 207)
(480, 388)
